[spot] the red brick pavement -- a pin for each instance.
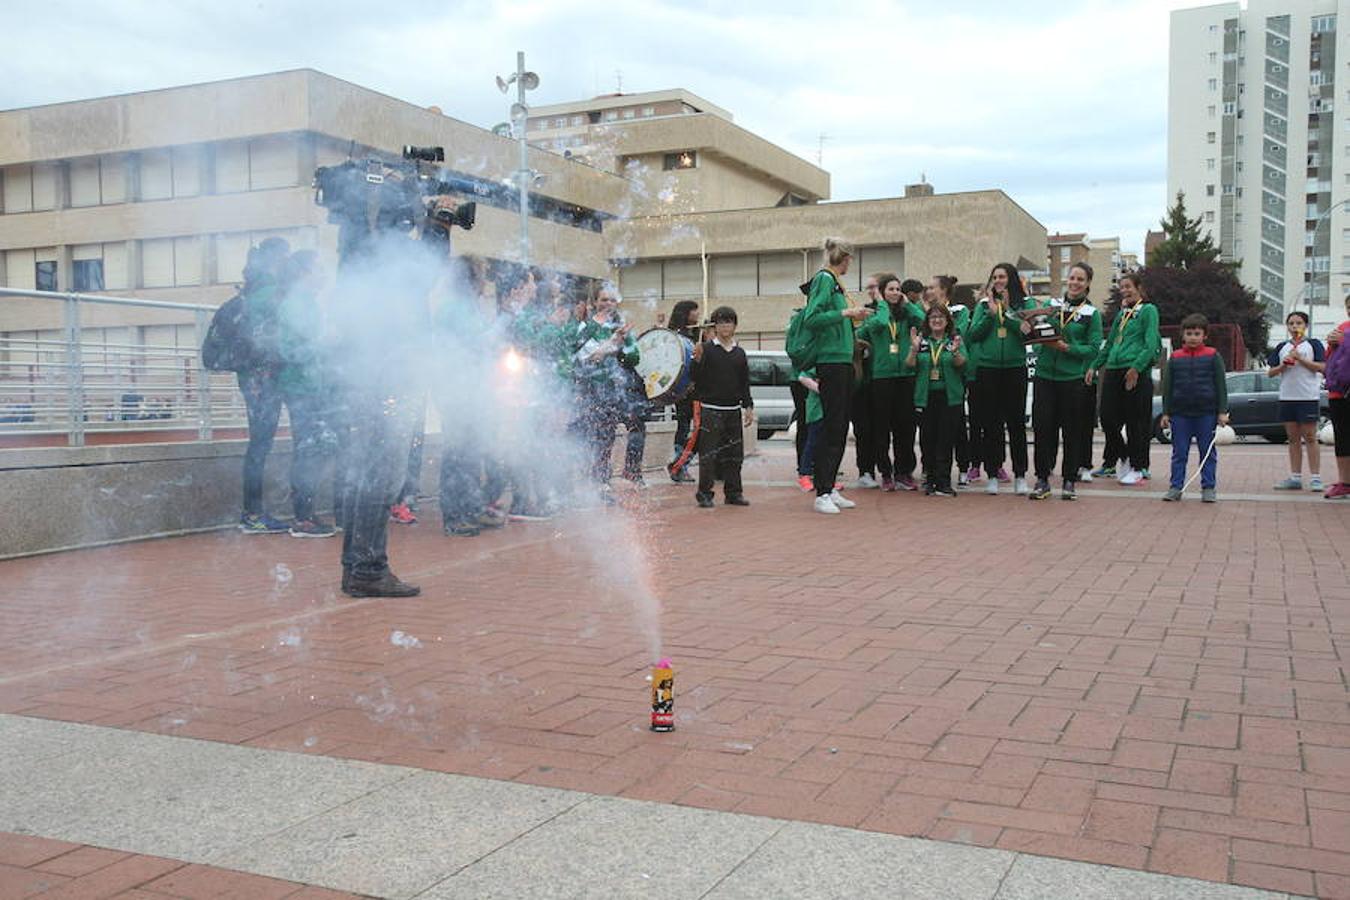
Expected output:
(1123, 682)
(56, 870)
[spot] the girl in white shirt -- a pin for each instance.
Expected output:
(1298, 363)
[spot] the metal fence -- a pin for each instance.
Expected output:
(75, 381)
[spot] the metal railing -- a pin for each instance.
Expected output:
(69, 383)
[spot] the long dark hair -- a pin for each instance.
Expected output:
(1015, 292)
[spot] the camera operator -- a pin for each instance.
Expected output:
(391, 254)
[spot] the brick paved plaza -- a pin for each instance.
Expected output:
(1116, 681)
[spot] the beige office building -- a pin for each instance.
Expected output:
(160, 194)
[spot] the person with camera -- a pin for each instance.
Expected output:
(1060, 385)
(389, 263)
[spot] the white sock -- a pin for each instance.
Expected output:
(1295, 476)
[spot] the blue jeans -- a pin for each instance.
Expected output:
(807, 457)
(1201, 430)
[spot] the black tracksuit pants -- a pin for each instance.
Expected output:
(937, 432)
(721, 449)
(1002, 406)
(836, 391)
(893, 425)
(1131, 410)
(1056, 408)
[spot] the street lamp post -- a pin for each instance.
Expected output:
(524, 81)
(1312, 285)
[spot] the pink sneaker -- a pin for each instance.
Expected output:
(887, 483)
(1338, 491)
(1003, 475)
(973, 474)
(804, 482)
(907, 483)
(402, 514)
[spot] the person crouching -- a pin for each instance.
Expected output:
(722, 382)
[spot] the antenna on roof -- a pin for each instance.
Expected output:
(820, 148)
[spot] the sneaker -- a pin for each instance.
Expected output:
(1040, 492)
(1315, 483)
(637, 481)
(1289, 484)
(929, 488)
(1123, 471)
(803, 482)
(1104, 472)
(262, 524)
(704, 501)
(824, 504)
(311, 528)
(1068, 493)
(1133, 476)
(1173, 495)
(1085, 474)
(486, 519)
(992, 487)
(738, 500)
(973, 474)
(907, 483)
(865, 481)
(401, 514)
(387, 585)
(1020, 487)
(1145, 474)
(1003, 475)
(461, 529)
(888, 484)
(1338, 491)
(943, 490)
(1209, 495)
(962, 479)
(681, 477)
(841, 501)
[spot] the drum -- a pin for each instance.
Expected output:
(664, 361)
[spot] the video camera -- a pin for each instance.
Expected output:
(393, 196)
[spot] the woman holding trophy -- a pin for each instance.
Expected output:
(1069, 334)
(1000, 391)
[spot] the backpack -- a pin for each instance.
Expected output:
(1337, 372)
(800, 342)
(227, 347)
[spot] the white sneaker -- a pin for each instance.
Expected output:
(866, 481)
(841, 501)
(1085, 475)
(1315, 483)
(825, 505)
(962, 479)
(992, 486)
(1020, 486)
(1133, 476)
(1124, 471)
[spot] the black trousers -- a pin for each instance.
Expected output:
(1002, 405)
(860, 413)
(684, 418)
(1087, 424)
(262, 403)
(937, 431)
(974, 449)
(721, 449)
(1131, 410)
(836, 389)
(379, 434)
(893, 424)
(1055, 410)
(799, 393)
(461, 480)
(312, 443)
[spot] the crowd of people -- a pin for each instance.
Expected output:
(910, 361)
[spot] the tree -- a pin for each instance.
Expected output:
(1209, 288)
(1183, 244)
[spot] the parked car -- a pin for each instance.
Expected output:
(770, 377)
(1253, 406)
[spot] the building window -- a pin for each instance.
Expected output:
(44, 275)
(1213, 56)
(578, 120)
(1209, 215)
(1323, 24)
(611, 116)
(685, 159)
(87, 274)
(649, 110)
(1214, 29)
(1209, 137)
(1227, 189)
(1209, 190)
(1229, 107)
(1211, 111)
(1209, 164)
(628, 113)
(1213, 84)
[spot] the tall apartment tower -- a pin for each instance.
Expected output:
(1255, 143)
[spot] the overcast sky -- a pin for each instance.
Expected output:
(1064, 106)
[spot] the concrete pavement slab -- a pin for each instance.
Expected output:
(1041, 878)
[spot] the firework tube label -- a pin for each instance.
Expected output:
(663, 696)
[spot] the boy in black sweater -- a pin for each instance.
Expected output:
(722, 383)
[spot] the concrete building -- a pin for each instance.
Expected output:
(1256, 143)
(161, 193)
(1063, 250)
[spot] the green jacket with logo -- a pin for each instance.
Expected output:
(1083, 334)
(1134, 344)
(877, 332)
(824, 316)
(950, 377)
(988, 349)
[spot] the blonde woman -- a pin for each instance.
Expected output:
(830, 319)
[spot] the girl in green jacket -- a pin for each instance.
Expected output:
(940, 291)
(998, 398)
(892, 382)
(830, 317)
(1125, 364)
(939, 390)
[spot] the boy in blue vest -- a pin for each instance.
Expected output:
(1194, 401)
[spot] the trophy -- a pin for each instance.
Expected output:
(1044, 322)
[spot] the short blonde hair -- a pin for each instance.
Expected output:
(836, 249)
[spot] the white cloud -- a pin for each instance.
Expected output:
(1064, 107)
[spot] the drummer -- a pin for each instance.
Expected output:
(722, 383)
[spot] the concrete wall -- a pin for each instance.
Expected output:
(60, 498)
